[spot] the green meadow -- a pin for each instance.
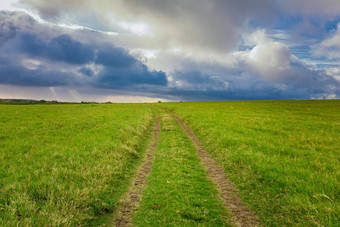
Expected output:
(70, 164)
(178, 191)
(283, 156)
(67, 164)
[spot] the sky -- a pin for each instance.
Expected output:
(158, 50)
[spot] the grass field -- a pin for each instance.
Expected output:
(67, 164)
(71, 164)
(284, 156)
(178, 191)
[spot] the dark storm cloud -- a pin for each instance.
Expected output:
(86, 71)
(115, 57)
(45, 55)
(18, 75)
(111, 77)
(218, 82)
(60, 48)
(256, 90)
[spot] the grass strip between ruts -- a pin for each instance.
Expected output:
(178, 190)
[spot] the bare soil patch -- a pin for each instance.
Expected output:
(133, 196)
(242, 216)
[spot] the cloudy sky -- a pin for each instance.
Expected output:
(149, 50)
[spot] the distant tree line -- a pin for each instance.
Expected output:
(32, 101)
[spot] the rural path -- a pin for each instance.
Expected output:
(241, 215)
(133, 196)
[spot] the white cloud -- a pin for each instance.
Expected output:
(268, 58)
(31, 64)
(8, 4)
(139, 28)
(330, 47)
(334, 72)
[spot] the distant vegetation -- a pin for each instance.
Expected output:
(27, 101)
(32, 101)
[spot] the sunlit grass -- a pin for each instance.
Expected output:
(179, 192)
(67, 164)
(284, 156)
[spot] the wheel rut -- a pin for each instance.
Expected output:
(241, 215)
(133, 196)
